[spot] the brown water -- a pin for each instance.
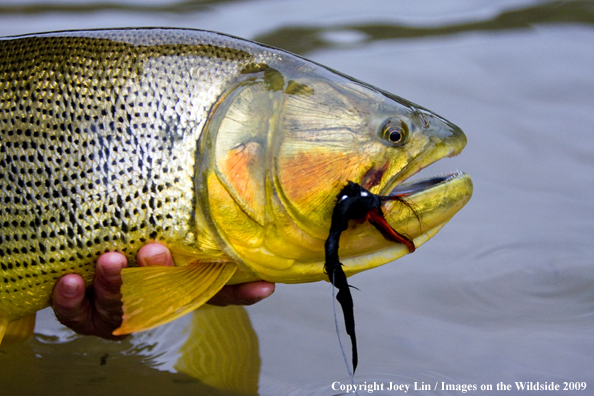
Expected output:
(504, 293)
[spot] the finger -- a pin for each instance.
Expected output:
(243, 294)
(70, 305)
(106, 289)
(154, 254)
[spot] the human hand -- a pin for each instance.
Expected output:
(98, 310)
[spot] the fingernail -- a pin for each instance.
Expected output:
(69, 289)
(112, 272)
(157, 259)
(267, 291)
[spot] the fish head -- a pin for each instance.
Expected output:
(348, 131)
(284, 143)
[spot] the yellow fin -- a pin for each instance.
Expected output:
(17, 331)
(222, 350)
(153, 296)
(3, 326)
(181, 258)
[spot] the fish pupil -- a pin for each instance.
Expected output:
(395, 135)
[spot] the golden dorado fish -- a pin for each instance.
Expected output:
(229, 152)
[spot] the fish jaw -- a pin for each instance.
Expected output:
(428, 205)
(362, 247)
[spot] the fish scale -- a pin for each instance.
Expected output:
(97, 142)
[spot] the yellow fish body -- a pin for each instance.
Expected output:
(229, 152)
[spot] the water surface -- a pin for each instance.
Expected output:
(503, 293)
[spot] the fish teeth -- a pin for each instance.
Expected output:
(450, 175)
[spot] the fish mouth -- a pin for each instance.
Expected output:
(432, 202)
(414, 187)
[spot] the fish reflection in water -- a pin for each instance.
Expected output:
(220, 350)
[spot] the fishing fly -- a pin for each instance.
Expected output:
(356, 203)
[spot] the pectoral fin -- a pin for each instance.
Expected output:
(153, 296)
(17, 331)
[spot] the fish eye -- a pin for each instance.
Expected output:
(395, 135)
(395, 132)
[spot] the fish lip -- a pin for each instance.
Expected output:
(417, 186)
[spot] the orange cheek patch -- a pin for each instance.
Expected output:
(237, 166)
(232, 220)
(309, 179)
(243, 173)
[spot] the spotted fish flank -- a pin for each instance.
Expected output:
(91, 160)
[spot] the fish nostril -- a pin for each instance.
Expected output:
(422, 120)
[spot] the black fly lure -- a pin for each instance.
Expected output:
(356, 203)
